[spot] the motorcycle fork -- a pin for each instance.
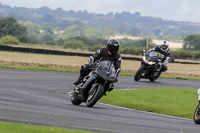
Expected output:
(91, 91)
(79, 94)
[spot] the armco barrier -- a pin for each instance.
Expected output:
(56, 52)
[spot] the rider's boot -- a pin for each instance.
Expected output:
(78, 81)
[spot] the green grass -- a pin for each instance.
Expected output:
(38, 68)
(179, 102)
(6, 127)
(77, 71)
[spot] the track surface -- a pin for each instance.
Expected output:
(40, 97)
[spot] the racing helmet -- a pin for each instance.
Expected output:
(113, 45)
(164, 45)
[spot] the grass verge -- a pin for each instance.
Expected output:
(179, 102)
(7, 127)
(77, 71)
(37, 68)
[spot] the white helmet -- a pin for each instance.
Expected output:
(164, 45)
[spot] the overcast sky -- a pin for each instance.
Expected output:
(180, 10)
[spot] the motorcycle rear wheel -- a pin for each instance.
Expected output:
(95, 96)
(196, 116)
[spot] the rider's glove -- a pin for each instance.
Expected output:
(92, 65)
(164, 68)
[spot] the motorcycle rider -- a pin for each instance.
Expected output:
(163, 49)
(108, 53)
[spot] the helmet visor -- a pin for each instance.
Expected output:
(164, 46)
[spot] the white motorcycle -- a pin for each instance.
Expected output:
(196, 116)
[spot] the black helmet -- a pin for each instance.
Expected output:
(113, 45)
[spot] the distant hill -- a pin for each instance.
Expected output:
(125, 22)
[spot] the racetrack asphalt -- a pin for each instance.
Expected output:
(40, 98)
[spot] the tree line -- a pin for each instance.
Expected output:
(90, 38)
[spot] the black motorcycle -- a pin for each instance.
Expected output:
(95, 84)
(150, 66)
(196, 116)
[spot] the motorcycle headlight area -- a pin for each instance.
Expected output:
(151, 63)
(144, 59)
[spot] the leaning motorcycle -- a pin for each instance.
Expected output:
(150, 66)
(95, 84)
(196, 116)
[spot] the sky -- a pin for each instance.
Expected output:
(178, 10)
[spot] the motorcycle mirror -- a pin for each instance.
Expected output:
(144, 50)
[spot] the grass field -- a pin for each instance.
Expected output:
(6, 127)
(170, 101)
(74, 62)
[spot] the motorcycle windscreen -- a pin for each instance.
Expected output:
(155, 56)
(106, 69)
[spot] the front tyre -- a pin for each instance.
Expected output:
(74, 99)
(138, 75)
(196, 116)
(152, 79)
(95, 96)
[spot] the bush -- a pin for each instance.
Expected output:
(74, 44)
(185, 54)
(9, 40)
(50, 43)
(96, 47)
(133, 51)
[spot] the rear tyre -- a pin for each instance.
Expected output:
(95, 96)
(138, 75)
(74, 100)
(196, 116)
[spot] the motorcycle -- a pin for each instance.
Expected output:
(150, 66)
(95, 84)
(196, 116)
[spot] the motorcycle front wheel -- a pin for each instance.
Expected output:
(138, 75)
(152, 79)
(196, 116)
(74, 99)
(95, 96)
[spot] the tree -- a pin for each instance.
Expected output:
(105, 33)
(134, 31)
(94, 33)
(71, 31)
(74, 44)
(47, 37)
(31, 27)
(168, 37)
(47, 28)
(33, 30)
(192, 42)
(9, 40)
(9, 26)
(91, 33)
(47, 18)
